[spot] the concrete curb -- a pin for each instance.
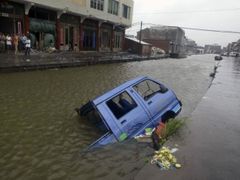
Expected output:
(24, 65)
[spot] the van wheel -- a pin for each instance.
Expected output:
(168, 115)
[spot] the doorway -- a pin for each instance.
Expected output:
(68, 41)
(89, 40)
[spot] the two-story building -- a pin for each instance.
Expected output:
(169, 38)
(79, 25)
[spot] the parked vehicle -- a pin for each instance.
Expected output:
(218, 58)
(234, 54)
(225, 54)
(129, 109)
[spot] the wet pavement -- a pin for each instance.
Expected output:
(209, 144)
(41, 136)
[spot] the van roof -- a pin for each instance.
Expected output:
(116, 90)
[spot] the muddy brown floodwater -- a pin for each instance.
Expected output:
(41, 137)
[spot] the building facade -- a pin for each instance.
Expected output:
(212, 49)
(133, 45)
(169, 38)
(233, 47)
(78, 25)
(191, 47)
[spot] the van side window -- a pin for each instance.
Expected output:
(149, 88)
(121, 104)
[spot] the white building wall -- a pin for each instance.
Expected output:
(82, 8)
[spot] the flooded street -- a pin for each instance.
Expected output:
(209, 143)
(41, 136)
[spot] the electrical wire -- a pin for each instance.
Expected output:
(186, 12)
(211, 30)
(188, 28)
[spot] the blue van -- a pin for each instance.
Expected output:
(127, 110)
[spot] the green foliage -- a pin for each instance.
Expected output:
(172, 126)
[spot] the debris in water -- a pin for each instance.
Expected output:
(165, 159)
(173, 150)
(178, 166)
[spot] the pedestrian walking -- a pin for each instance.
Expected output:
(22, 40)
(9, 43)
(15, 42)
(27, 46)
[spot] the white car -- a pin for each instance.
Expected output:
(234, 54)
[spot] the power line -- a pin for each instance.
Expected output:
(186, 12)
(188, 28)
(211, 30)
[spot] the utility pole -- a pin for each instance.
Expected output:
(140, 35)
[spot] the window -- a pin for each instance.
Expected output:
(97, 4)
(117, 40)
(121, 105)
(113, 7)
(148, 88)
(126, 11)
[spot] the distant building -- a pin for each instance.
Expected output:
(85, 25)
(191, 46)
(133, 45)
(169, 38)
(234, 47)
(212, 49)
(200, 50)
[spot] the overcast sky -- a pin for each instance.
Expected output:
(207, 14)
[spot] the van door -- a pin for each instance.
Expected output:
(155, 96)
(127, 113)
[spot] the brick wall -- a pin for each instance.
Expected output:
(162, 44)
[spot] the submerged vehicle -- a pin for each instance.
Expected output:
(127, 110)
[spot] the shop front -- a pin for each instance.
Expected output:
(11, 18)
(42, 33)
(105, 38)
(69, 33)
(89, 35)
(42, 28)
(118, 40)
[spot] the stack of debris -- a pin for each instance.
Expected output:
(165, 159)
